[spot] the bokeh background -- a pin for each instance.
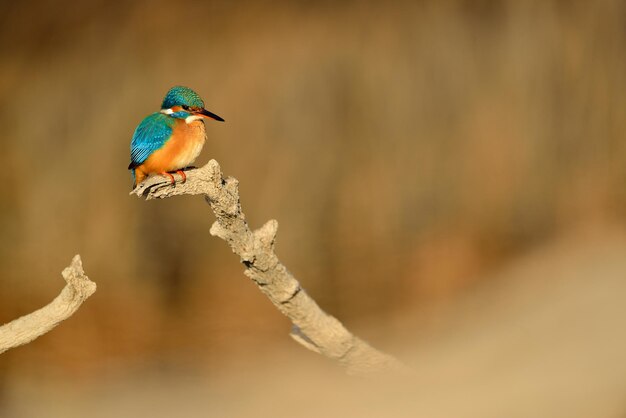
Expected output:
(448, 177)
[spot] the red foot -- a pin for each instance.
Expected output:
(172, 179)
(183, 175)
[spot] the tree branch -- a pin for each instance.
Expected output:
(25, 329)
(312, 327)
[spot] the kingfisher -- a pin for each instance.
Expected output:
(170, 140)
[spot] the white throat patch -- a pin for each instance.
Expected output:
(192, 118)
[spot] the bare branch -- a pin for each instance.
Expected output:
(25, 329)
(312, 327)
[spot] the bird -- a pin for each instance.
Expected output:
(170, 140)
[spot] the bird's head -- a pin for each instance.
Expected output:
(183, 103)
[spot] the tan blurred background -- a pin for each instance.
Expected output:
(448, 176)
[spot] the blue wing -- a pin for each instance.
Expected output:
(151, 134)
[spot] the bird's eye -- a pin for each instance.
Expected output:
(185, 107)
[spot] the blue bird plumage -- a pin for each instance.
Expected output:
(179, 96)
(150, 135)
(177, 132)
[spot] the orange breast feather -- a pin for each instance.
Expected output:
(180, 151)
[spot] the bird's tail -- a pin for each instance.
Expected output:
(138, 176)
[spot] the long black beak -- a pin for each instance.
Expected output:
(206, 113)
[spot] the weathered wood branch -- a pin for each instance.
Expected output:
(312, 327)
(25, 329)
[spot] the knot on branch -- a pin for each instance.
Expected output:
(217, 230)
(257, 252)
(77, 280)
(265, 236)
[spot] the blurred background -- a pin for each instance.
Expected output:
(448, 177)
